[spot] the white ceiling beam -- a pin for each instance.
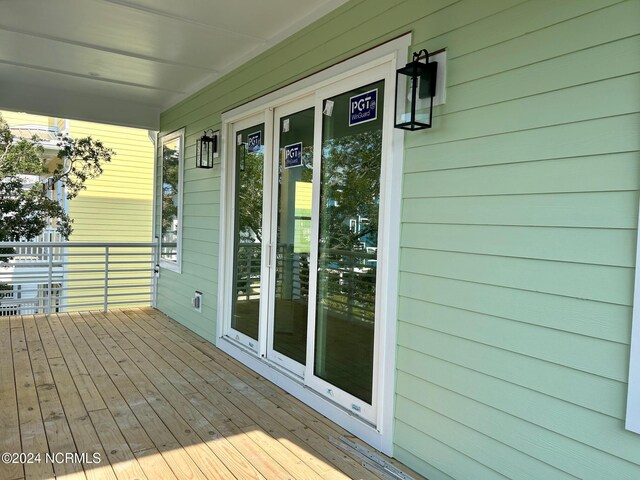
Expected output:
(89, 77)
(79, 106)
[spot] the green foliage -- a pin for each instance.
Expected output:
(350, 189)
(170, 177)
(25, 212)
(83, 159)
(249, 202)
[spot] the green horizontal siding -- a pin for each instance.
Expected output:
(597, 246)
(518, 229)
(585, 317)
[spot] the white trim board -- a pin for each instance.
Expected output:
(391, 55)
(177, 265)
(632, 421)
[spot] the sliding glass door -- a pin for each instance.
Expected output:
(248, 288)
(291, 231)
(345, 301)
(306, 225)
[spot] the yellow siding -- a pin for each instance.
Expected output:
(117, 206)
(16, 119)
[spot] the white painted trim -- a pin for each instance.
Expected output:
(272, 355)
(77, 105)
(320, 404)
(391, 198)
(632, 419)
(228, 242)
(177, 265)
(368, 412)
(153, 137)
(393, 54)
(387, 52)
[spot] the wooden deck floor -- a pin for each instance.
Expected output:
(151, 400)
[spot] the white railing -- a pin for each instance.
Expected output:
(47, 277)
(347, 279)
(29, 250)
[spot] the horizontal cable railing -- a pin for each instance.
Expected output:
(48, 277)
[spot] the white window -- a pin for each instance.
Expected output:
(633, 395)
(171, 168)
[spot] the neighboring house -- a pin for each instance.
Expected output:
(115, 207)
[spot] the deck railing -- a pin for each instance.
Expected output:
(47, 277)
(347, 278)
(31, 249)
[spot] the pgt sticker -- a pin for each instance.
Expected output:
(254, 141)
(293, 155)
(363, 107)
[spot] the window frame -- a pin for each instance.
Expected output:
(632, 417)
(391, 55)
(177, 134)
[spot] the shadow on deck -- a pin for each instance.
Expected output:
(131, 394)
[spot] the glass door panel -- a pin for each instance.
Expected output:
(294, 145)
(247, 255)
(348, 240)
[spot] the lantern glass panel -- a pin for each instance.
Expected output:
(204, 153)
(403, 99)
(414, 96)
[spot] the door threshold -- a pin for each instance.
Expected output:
(371, 460)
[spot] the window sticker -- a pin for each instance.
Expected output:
(293, 155)
(328, 108)
(254, 141)
(363, 107)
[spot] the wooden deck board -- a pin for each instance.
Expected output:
(9, 422)
(152, 400)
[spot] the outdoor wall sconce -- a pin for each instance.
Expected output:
(207, 149)
(415, 89)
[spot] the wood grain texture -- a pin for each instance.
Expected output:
(165, 404)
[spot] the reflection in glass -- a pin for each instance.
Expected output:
(348, 242)
(170, 199)
(294, 235)
(248, 231)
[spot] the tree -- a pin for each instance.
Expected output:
(351, 189)
(25, 212)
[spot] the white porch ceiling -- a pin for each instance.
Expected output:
(124, 61)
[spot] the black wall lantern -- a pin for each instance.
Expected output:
(207, 149)
(415, 89)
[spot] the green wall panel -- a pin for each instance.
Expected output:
(518, 230)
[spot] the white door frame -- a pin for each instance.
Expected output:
(265, 250)
(281, 111)
(388, 57)
(359, 408)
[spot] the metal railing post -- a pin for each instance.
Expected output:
(106, 278)
(50, 280)
(155, 271)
